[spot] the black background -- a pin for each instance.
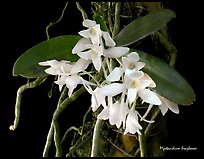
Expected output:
(23, 26)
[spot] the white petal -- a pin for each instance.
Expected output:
(48, 63)
(96, 62)
(136, 74)
(149, 97)
(133, 56)
(132, 124)
(60, 84)
(73, 80)
(112, 89)
(169, 104)
(65, 68)
(43, 63)
(113, 113)
(97, 99)
(125, 62)
(139, 65)
(144, 83)
(85, 55)
(70, 91)
(84, 33)
(88, 23)
(81, 45)
(163, 108)
(108, 40)
(104, 114)
(51, 71)
(147, 77)
(61, 81)
(95, 39)
(79, 66)
(115, 52)
(115, 75)
(173, 107)
(132, 93)
(123, 110)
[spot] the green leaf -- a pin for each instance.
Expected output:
(143, 26)
(59, 48)
(169, 83)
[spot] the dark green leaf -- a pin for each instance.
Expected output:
(59, 48)
(170, 83)
(143, 26)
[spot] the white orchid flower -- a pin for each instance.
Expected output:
(115, 112)
(93, 32)
(121, 109)
(97, 99)
(137, 84)
(94, 54)
(56, 67)
(132, 125)
(67, 73)
(131, 63)
(88, 51)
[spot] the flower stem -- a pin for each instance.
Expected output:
(62, 104)
(53, 126)
(96, 138)
(48, 141)
(58, 144)
(142, 143)
(67, 101)
(33, 84)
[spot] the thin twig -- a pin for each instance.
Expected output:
(80, 142)
(84, 14)
(33, 84)
(118, 148)
(84, 120)
(57, 21)
(67, 132)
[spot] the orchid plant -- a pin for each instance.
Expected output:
(128, 88)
